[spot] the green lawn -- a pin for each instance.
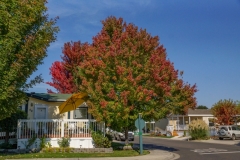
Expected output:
(116, 153)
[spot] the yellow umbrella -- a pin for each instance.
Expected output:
(73, 102)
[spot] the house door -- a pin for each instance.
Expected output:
(41, 113)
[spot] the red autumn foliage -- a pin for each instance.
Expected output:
(225, 111)
(63, 79)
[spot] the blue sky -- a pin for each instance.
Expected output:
(202, 38)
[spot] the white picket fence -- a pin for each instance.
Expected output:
(54, 128)
(78, 131)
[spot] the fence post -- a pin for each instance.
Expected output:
(19, 129)
(62, 128)
(103, 128)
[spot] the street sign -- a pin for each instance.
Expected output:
(141, 125)
(137, 133)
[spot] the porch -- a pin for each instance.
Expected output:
(79, 132)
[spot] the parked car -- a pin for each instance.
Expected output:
(120, 136)
(229, 131)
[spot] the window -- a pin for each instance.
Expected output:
(211, 124)
(81, 113)
(234, 128)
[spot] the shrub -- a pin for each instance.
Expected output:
(49, 145)
(198, 129)
(30, 141)
(64, 142)
(100, 141)
(6, 146)
(43, 142)
(109, 137)
(152, 134)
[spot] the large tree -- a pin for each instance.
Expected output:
(25, 33)
(63, 73)
(225, 111)
(126, 72)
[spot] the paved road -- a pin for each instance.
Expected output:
(196, 150)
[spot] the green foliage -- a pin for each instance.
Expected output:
(9, 124)
(202, 107)
(100, 141)
(43, 143)
(117, 146)
(6, 146)
(198, 129)
(25, 34)
(225, 111)
(60, 153)
(64, 142)
(49, 145)
(109, 137)
(30, 142)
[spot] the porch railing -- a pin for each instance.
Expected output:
(181, 127)
(54, 128)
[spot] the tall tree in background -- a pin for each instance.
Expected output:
(125, 72)
(181, 97)
(25, 34)
(63, 79)
(202, 107)
(225, 111)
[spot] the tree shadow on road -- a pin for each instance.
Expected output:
(238, 144)
(155, 147)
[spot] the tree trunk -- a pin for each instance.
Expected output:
(7, 137)
(126, 136)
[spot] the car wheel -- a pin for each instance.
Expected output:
(220, 138)
(233, 137)
(222, 132)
